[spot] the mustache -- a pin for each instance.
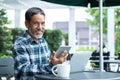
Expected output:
(41, 30)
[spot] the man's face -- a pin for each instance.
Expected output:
(36, 26)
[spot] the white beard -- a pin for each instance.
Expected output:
(34, 35)
(38, 36)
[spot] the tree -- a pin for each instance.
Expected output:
(3, 18)
(5, 35)
(95, 21)
(117, 30)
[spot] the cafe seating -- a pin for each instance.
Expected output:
(96, 56)
(6, 68)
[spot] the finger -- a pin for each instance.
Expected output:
(54, 54)
(49, 60)
(63, 53)
(63, 58)
(66, 56)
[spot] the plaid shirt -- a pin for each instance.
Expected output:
(30, 57)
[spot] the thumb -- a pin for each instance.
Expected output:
(54, 54)
(66, 56)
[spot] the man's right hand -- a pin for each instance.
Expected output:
(58, 60)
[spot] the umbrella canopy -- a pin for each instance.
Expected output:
(84, 3)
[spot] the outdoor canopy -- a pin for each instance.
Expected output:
(84, 3)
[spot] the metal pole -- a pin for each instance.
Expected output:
(72, 30)
(110, 31)
(101, 34)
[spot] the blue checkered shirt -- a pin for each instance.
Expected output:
(31, 57)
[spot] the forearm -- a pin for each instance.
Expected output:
(45, 68)
(26, 66)
(31, 69)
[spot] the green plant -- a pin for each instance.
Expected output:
(54, 38)
(5, 35)
(3, 18)
(65, 36)
(94, 65)
(5, 41)
(85, 49)
(117, 44)
(16, 32)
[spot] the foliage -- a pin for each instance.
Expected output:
(54, 38)
(3, 18)
(95, 21)
(117, 44)
(65, 36)
(5, 41)
(85, 49)
(5, 56)
(117, 30)
(5, 35)
(117, 17)
(16, 32)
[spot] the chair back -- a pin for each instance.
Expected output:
(6, 66)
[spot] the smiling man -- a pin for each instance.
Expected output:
(31, 52)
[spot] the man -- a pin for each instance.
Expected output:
(31, 53)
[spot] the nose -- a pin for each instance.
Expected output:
(39, 25)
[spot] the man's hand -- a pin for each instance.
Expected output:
(58, 60)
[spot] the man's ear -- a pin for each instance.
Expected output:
(26, 23)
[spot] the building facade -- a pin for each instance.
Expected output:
(85, 34)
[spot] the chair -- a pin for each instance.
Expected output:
(96, 56)
(6, 68)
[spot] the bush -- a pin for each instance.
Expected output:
(5, 41)
(54, 38)
(16, 32)
(5, 35)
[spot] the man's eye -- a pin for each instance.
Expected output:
(35, 23)
(43, 23)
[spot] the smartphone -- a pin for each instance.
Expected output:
(62, 48)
